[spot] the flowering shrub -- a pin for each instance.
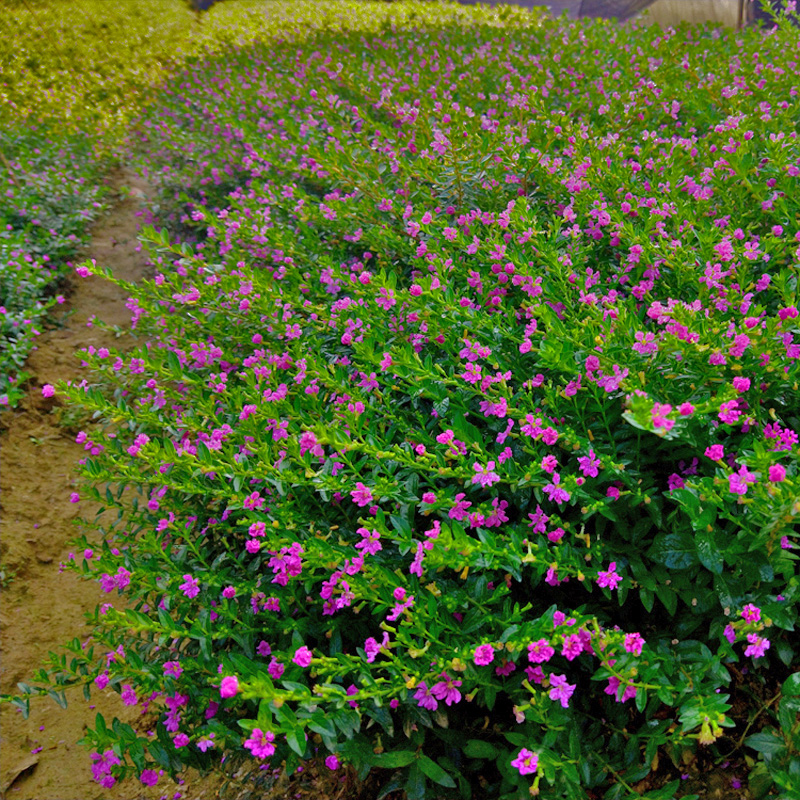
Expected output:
(49, 194)
(463, 443)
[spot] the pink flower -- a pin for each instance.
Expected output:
(332, 762)
(149, 777)
(540, 651)
(730, 634)
(190, 587)
(757, 646)
(484, 654)
(526, 762)
(447, 690)
(777, 473)
(229, 686)
(633, 643)
(260, 743)
(485, 475)
(589, 464)
(362, 495)
(572, 647)
(429, 497)
(741, 384)
(173, 669)
(425, 698)
(751, 613)
(275, 668)
(716, 452)
(48, 390)
(610, 578)
(302, 657)
(561, 690)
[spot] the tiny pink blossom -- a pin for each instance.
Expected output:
(48, 390)
(527, 762)
(484, 654)
(229, 686)
(777, 473)
(302, 657)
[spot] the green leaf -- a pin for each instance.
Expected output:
(435, 772)
(296, 739)
(393, 759)
(415, 784)
(708, 552)
(791, 686)
(766, 742)
(674, 551)
(476, 748)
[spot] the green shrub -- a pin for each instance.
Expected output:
(464, 444)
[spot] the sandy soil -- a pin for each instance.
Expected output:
(43, 607)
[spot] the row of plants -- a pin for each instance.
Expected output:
(73, 78)
(463, 444)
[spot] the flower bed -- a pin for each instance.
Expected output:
(464, 444)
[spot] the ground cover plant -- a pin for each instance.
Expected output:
(463, 446)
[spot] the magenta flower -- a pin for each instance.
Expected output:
(777, 473)
(447, 690)
(527, 762)
(757, 647)
(572, 647)
(276, 669)
(149, 777)
(484, 654)
(173, 669)
(485, 476)
(190, 587)
(48, 390)
(556, 493)
(540, 651)
(610, 578)
(716, 452)
(260, 743)
(751, 613)
(302, 657)
(332, 762)
(424, 697)
(229, 686)
(561, 690)
(589, 464)
(362, 495)
(633, 643)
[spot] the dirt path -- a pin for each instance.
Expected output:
(42, 607)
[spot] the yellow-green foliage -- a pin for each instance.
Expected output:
(86, 64)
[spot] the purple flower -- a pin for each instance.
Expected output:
(260, 743)
(302, 657)
(757, 646)
(362, 495)
(556, 493)
(229, 686)
(526, 762)
(190, 587)
(540, 651)
(485, 476)
(332, 762)
(589, 464)
(149, 777)
(447, 690)
(561, 690)
(610, 578)
(484, 654)
(425, 698)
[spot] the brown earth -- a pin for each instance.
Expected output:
(42, 606)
